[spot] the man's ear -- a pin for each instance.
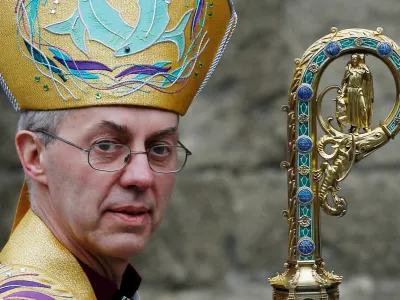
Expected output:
(30, 151)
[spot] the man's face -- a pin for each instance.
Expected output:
(110, 214)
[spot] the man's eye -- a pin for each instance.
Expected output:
(107, 146)
(161, 149)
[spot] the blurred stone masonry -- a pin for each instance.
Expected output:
(223, 234)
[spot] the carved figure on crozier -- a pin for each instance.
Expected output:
(354, 103)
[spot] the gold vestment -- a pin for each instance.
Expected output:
(35, 264)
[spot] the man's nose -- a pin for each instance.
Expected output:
(137, 173)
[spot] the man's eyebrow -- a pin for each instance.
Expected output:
(166, 131)
(106, 124)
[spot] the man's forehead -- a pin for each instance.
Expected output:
(123, 129)
(123, 120)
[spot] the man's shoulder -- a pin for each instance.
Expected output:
(26, 282)
(34, 261)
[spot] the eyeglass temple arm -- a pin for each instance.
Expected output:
(61, 139)
(186, 149)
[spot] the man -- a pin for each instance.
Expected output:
(100, 85)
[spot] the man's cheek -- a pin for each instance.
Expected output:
(82, 210)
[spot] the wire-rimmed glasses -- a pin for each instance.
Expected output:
(113, 157)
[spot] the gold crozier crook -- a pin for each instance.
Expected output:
(312, 184)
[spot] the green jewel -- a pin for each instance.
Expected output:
(200, 64)
(37, 78)
(196, 74)
(210, 13)
(211, 4)
(98, 96)
(46, 87)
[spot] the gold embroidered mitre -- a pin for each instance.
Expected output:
(60, 54)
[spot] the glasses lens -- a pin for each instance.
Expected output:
(167, 159)
(108, 156)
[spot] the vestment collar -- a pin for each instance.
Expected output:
(34, 248)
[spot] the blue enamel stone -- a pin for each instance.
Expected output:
(304, 144)
(304, 92)
(306, 246)
(305, 196)
(384, 49)
(332, 49)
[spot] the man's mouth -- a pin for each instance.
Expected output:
(133, 216)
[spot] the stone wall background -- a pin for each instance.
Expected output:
(223, 235)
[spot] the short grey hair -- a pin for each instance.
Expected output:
(48, 120)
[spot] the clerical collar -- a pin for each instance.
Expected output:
(106, 289)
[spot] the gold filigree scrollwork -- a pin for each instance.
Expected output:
(332, 173)
(304, 170)
(324, 294)
(295, 278)
(305, 221)
(349, 148)
(280, 279)
(358, 42)
(292, 295)
(353, 108)
(290, 165)
(330, 275)
(317, 277)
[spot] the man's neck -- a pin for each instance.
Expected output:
(111, 268)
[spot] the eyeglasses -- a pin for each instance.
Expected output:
(112, 157)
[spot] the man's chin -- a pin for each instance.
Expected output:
(125, 245)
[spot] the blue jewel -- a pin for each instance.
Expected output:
(384, 49)
(305, 196)
(306, 246)
(332, 49)
(304, 144)
(304, 92)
